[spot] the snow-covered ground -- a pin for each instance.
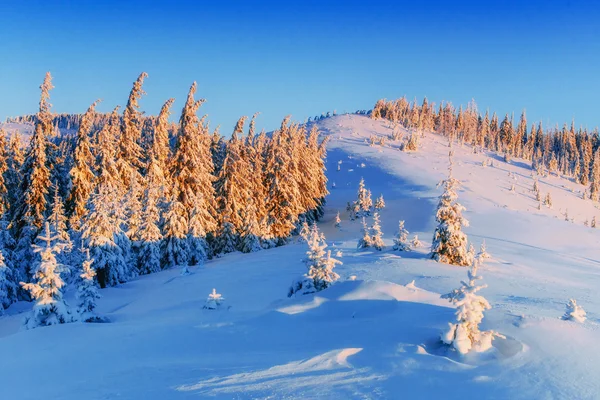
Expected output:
(373, 337)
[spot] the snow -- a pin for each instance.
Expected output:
(376, 336)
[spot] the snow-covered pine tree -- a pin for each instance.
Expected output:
(102, 233)
(149, 234)
(82, 173)
(338, 220)
(192, 176)
(366, 241)
(227, 240)
(154, 196)
(50, 307)
(14, 174)
(130, 154)
(175, 246)
(376, 234)
(362, 206)
(214, 301)
(59, 231)
(233, 191)
(8, 288)
(401, 242)
(379, 203)
(29, 217)
(320, 266)
(283, 206)
(449, 242)
(249, 239)
(595, 178)
(574, 312)
(415, 242)
(593, 223)
(464, 334)
(87, 292)
(483, 254)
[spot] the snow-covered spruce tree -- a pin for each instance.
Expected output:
(154, 196)
(376, 234)
(192, 176)
(59, 231)
(30, 215)
(464, 334)
(214, 301)
(379, 203)
(233, 191)
(82, 173)
(227, 240)
(49, 307)
(574, 312)
(449, 242)
(8, 288)
(483, 254)
(102, 233)
(175, 246)
(87, 292)
(320, 266)
(4, 198)
(249, 239)
(401, 242)
(595, 178)
(14, 174)
(361, 207)
(337, 220)
(129, 155)
(366, 241)
(149, 234)
(415, 242)
(283, 206)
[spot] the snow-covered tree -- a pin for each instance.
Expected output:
(82, 173)
(376, 234)
(401, 242)
(464, 334)
(449, 242)
(50, 307)
(379, 203)
(192, 171)
(34, 186)
(366, 240)
(150, 237)
(415, 242)
(320, 264)
(214, 301)
(574, 312)
(249, 239)
(175, 246)
(483, 254)
(226, 241)
(102, 233)
(8, 288)
(338, 220)
(87, 292)
(361, 207)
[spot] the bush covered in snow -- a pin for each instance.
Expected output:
(574, 312)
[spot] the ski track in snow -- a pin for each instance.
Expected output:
(373, 337)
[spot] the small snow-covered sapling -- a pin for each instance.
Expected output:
(574, 312)
(214, 300)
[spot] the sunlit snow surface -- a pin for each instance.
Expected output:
(373, 337)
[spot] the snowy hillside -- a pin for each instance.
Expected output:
(372, 335)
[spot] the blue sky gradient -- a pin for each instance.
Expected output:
(304, 58)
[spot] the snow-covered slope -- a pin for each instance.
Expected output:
(373, 337)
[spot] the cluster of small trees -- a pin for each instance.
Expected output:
(568, 151)
(143, 194)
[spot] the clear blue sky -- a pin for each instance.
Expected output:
(304, 58)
